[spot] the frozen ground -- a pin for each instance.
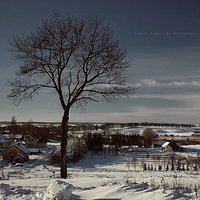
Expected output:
(98, 177)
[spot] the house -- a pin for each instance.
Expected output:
(31, 141)
(175, 146)
(166, 145)
(16, 153)
(163, 145)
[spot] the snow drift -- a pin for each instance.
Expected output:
(58, 190)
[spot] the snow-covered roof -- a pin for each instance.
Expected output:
(165, 144)
(18, 136)
(19, 146)
(22, 147)
(34, 150)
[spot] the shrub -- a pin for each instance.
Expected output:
(75, 151)
(54, 158)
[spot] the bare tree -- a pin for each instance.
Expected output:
(78, 58)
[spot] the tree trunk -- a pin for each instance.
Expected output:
(64, 127)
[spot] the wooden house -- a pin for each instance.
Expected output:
(31, 141)
(16, 153)
(166, 145)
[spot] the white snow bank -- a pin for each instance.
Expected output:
(58, 190)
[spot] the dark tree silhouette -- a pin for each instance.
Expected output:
(78, 58)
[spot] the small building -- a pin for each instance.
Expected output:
(16, 153)
(31, 141)
(175, 146)
(166, 145)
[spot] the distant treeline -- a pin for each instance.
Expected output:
(53, 130)
(105, 125)
(149, 124)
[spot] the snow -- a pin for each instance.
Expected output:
(192, 149)
(58, 190)
(99, 177)
(159, 131)
(165, 144)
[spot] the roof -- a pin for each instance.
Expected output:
(159, 142)
(18, 136)
(34, 150)
(20, 146)
(33, 136)
(165, 144)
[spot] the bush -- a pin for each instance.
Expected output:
(76, 149)
(54, 158)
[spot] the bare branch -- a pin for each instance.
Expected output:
(74, 58)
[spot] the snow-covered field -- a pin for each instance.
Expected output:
(98, 177)
(159, 131)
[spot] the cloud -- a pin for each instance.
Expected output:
(148, 83)
(154, 83)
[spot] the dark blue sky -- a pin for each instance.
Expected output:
(162, 38)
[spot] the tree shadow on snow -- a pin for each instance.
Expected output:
(108, 199)
(75, 197)
(176, 196)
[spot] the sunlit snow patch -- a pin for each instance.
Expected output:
(58, 190)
